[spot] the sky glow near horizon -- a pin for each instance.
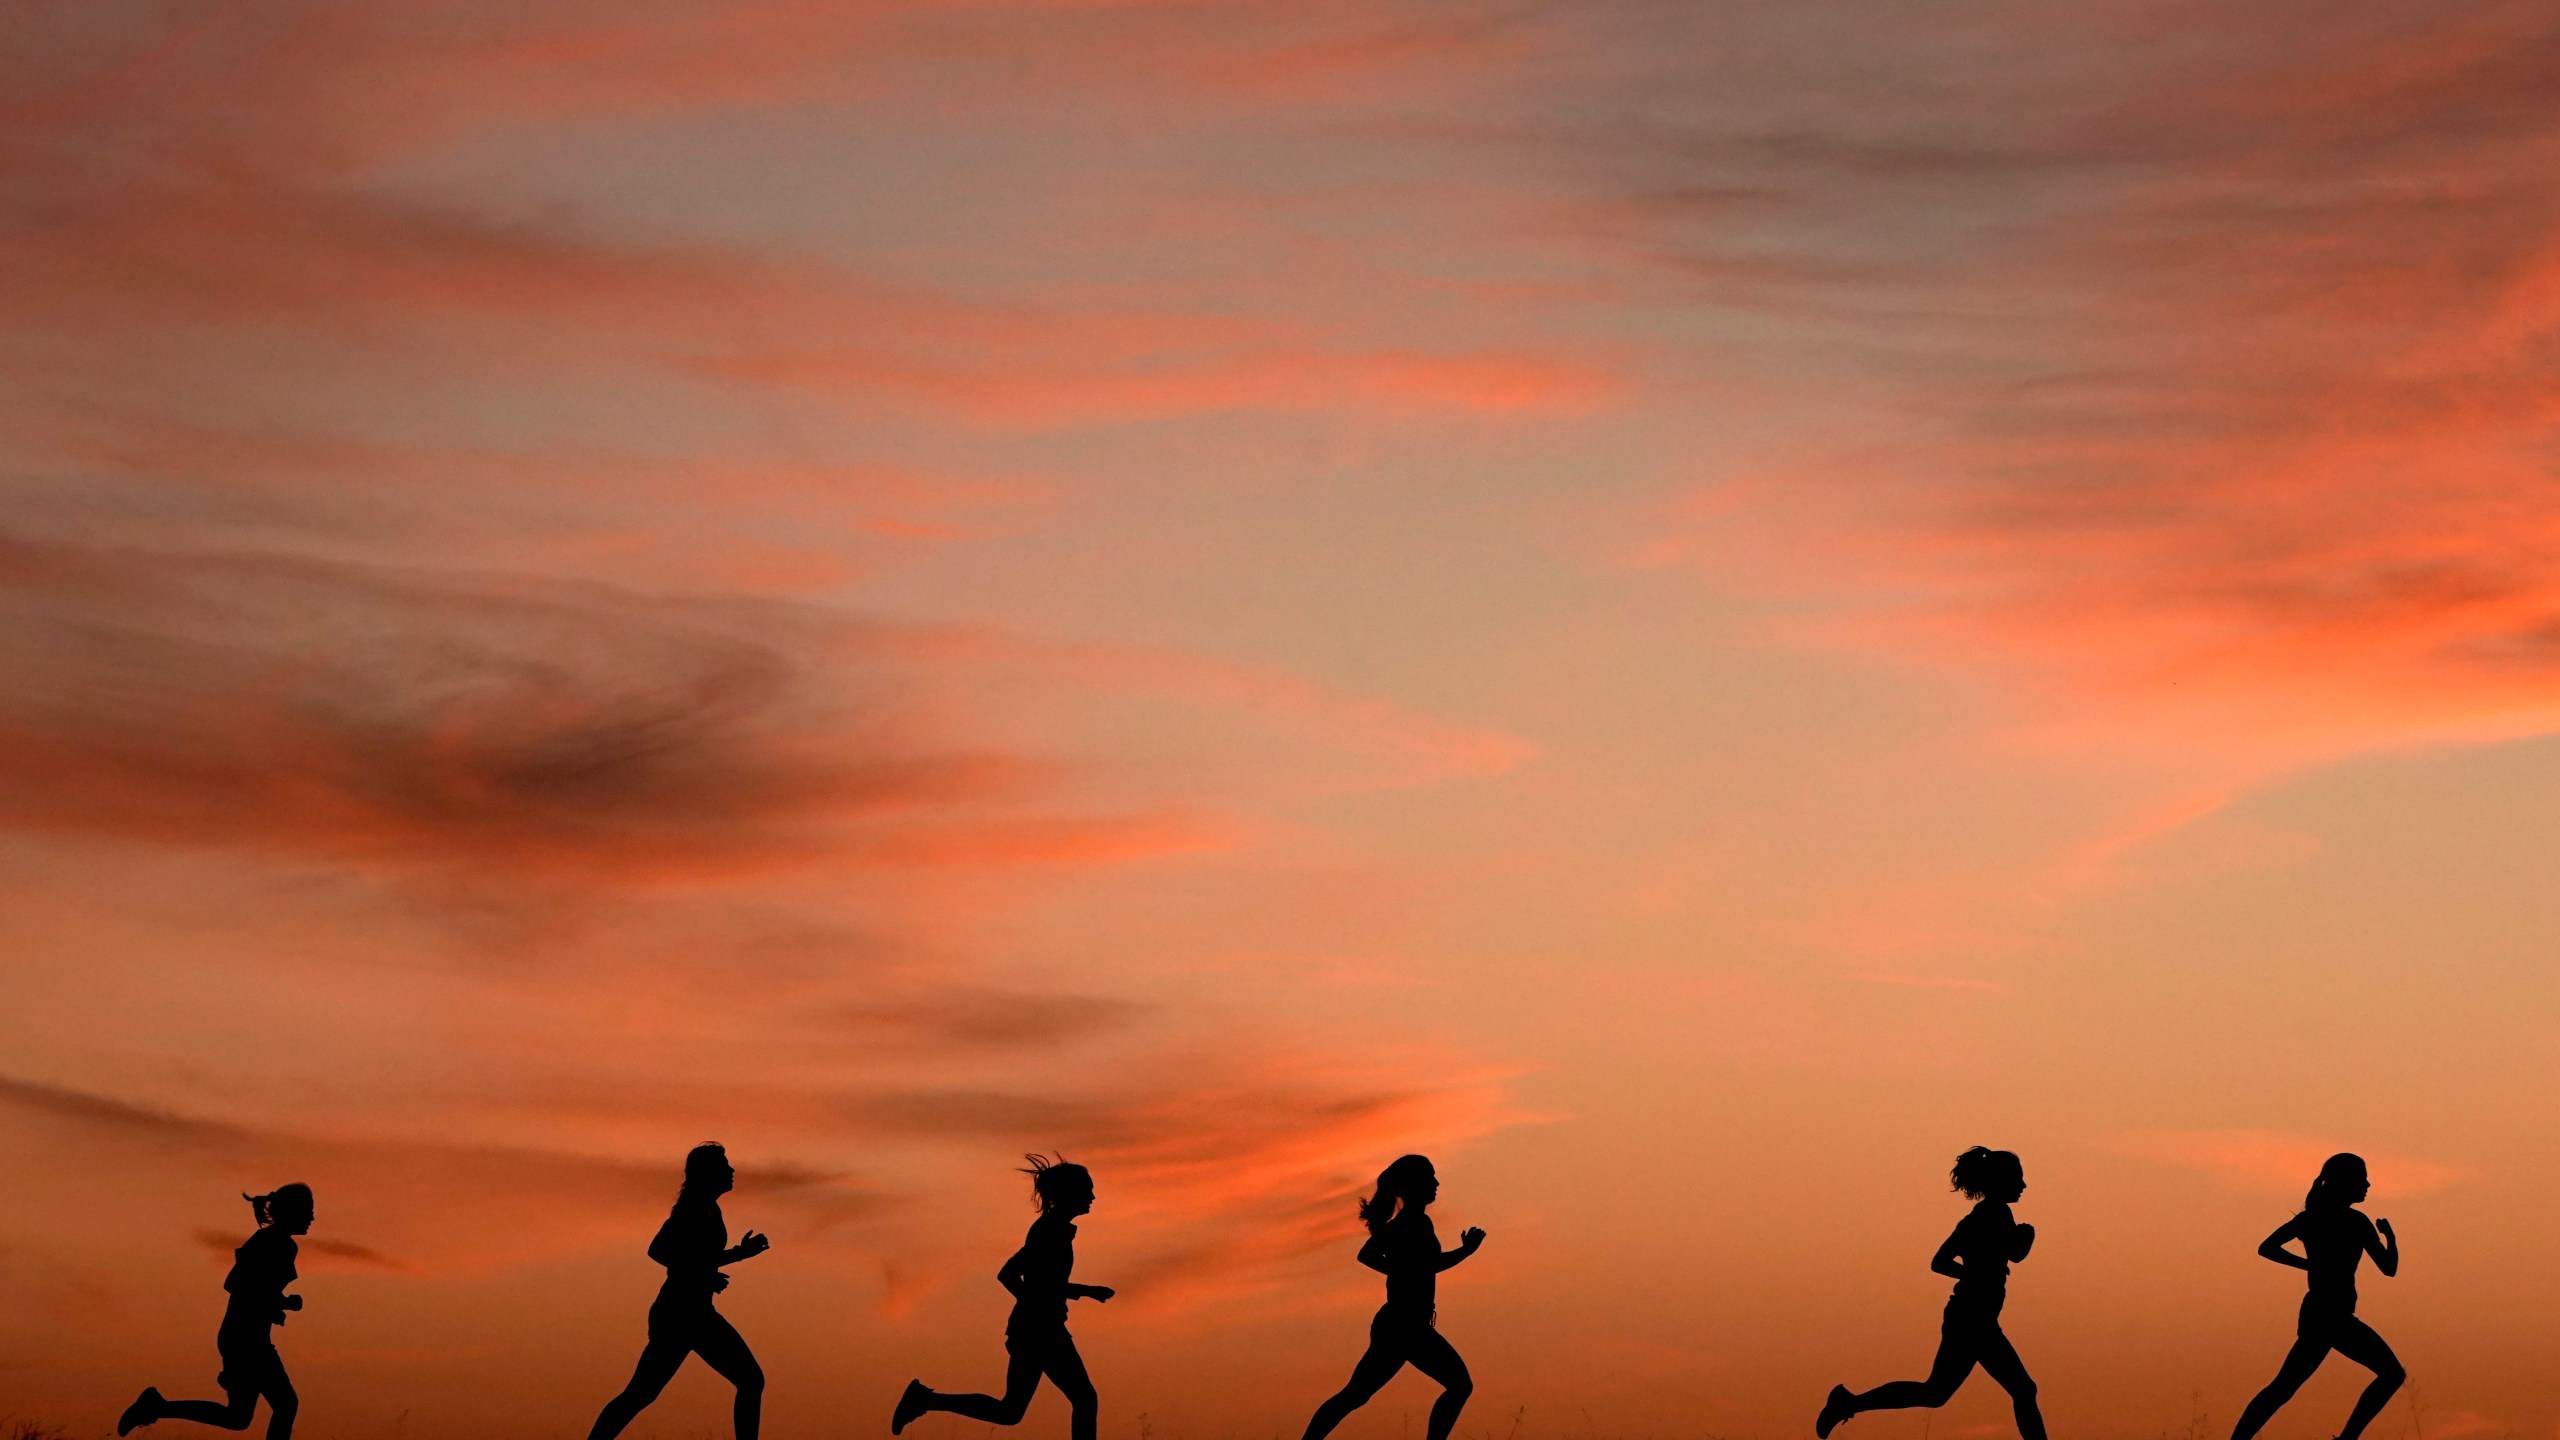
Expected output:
(1688, 608)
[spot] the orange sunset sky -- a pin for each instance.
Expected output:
(1688, 607)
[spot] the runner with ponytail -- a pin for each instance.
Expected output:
(1403, 1247)
(260, 1270)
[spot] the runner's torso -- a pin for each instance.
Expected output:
(2333, 1240)
(260, 1270)
(1985, 1239)
(1411, 1250)
(690, 1245)
(1048, 1259)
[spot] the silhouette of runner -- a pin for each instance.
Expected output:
(1978, 1254)
(1036, 1341)
(694, 1244)
(2335, 1238)
(260, 1269)
(1403, 1247)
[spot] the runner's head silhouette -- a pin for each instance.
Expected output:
(1063, 1187)
(286, 1207)
(2341, 1182)
(1988, 1174)
(1409, 1179)
(707, 1173)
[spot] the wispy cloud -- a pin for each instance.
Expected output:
(1935, 982)
(2275, 1161)
(373, 716)
(2216, 399)
(222, 1242)
(439, 1208)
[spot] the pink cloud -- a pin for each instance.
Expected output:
(393, 716)
(374, 715)
(2274, 1161)
(150, 223)
(1068, 368)
(1935, 982)
(2233, 436)
(1423, 747)
(561, 504)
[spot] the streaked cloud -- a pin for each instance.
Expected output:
(441, 1209)
(2274, 1160)
(371, 716)
(2215, 384)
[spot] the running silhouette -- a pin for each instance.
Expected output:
(694, 1244)
(1403, 1247)
(1036, 1341)
(260, 1269)
(2335, 1238)
(1977, 1254)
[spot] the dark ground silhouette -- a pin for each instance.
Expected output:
(694, 1244)
(2335, 1239)
(1977, 1254)
(1036, 1341)
(260, 1270)
(1403, 1247)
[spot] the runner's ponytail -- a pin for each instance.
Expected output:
(1395, 1183)
(296, 1195)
